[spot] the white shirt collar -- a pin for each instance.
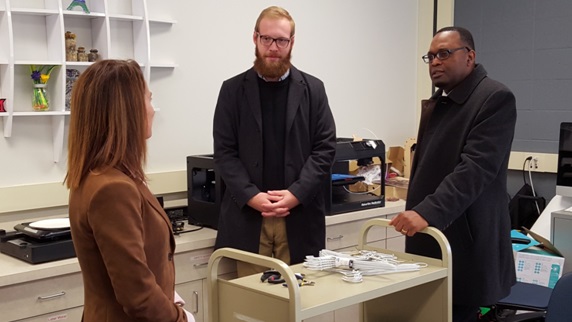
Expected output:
(283, 77)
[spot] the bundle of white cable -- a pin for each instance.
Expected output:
(366, 263)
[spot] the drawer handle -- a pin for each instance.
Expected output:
(51, 297)
(335, 238)
(200, 265)
(196, 296)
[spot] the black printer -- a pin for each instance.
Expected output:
(205, 186)
(342, 198)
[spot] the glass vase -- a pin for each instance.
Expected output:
(40, 98)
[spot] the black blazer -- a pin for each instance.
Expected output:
(309, 153)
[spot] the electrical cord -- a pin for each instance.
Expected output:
(176, 233)
(533, 191)
(363, 192)
(528, 160)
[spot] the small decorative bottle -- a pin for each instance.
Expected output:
(93, 55)
(71, 52)
(81, 54)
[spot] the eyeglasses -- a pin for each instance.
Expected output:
(441, 54)
(267, 41)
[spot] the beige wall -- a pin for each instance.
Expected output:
(51, 198)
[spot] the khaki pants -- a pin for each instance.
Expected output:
(273, 243)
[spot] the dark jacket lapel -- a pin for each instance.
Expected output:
(252, 93)
(295, 96)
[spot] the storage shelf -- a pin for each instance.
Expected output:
(163, 21)
(35, 12)
(77, 64)
(117, 29)
(163, 65)
(38, 62)
(83, 14)
(39, 113)
(125, 18)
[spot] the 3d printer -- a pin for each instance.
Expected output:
(205, 187)
(204, 190)
(350, 157)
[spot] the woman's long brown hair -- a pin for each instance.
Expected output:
(108, 121)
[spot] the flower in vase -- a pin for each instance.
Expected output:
(40, 75)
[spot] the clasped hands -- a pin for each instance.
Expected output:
(274, 203)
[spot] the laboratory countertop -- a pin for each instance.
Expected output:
(15, 271)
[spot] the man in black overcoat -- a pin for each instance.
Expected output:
(458, 180)
(274, 145)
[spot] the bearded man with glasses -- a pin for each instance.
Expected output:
(458, 180)
(274, 144)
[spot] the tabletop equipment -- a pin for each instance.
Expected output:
(39, 242)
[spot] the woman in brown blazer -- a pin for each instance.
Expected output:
(122, 237)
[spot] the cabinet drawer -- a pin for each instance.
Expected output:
(191, 266)
(192, 293)
(346, 234)
(41, 297)
(69, 315)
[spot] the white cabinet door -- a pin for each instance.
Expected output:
(41, 297)
(192, 293)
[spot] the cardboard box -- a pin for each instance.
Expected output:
(397, 187)
(395, 192)
(395, 159)
(409, 152)
(537, 262)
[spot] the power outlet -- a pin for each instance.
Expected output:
(534, 163)
(539, 162)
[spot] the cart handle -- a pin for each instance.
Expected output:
(257, 259)
(446, 259)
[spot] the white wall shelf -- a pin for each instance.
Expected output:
(83, 14)
(118, 29)
(163, 65)
(39, 114)
(165, 21)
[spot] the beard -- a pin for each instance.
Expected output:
(272, 70)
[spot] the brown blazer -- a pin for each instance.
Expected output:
(124, 243)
